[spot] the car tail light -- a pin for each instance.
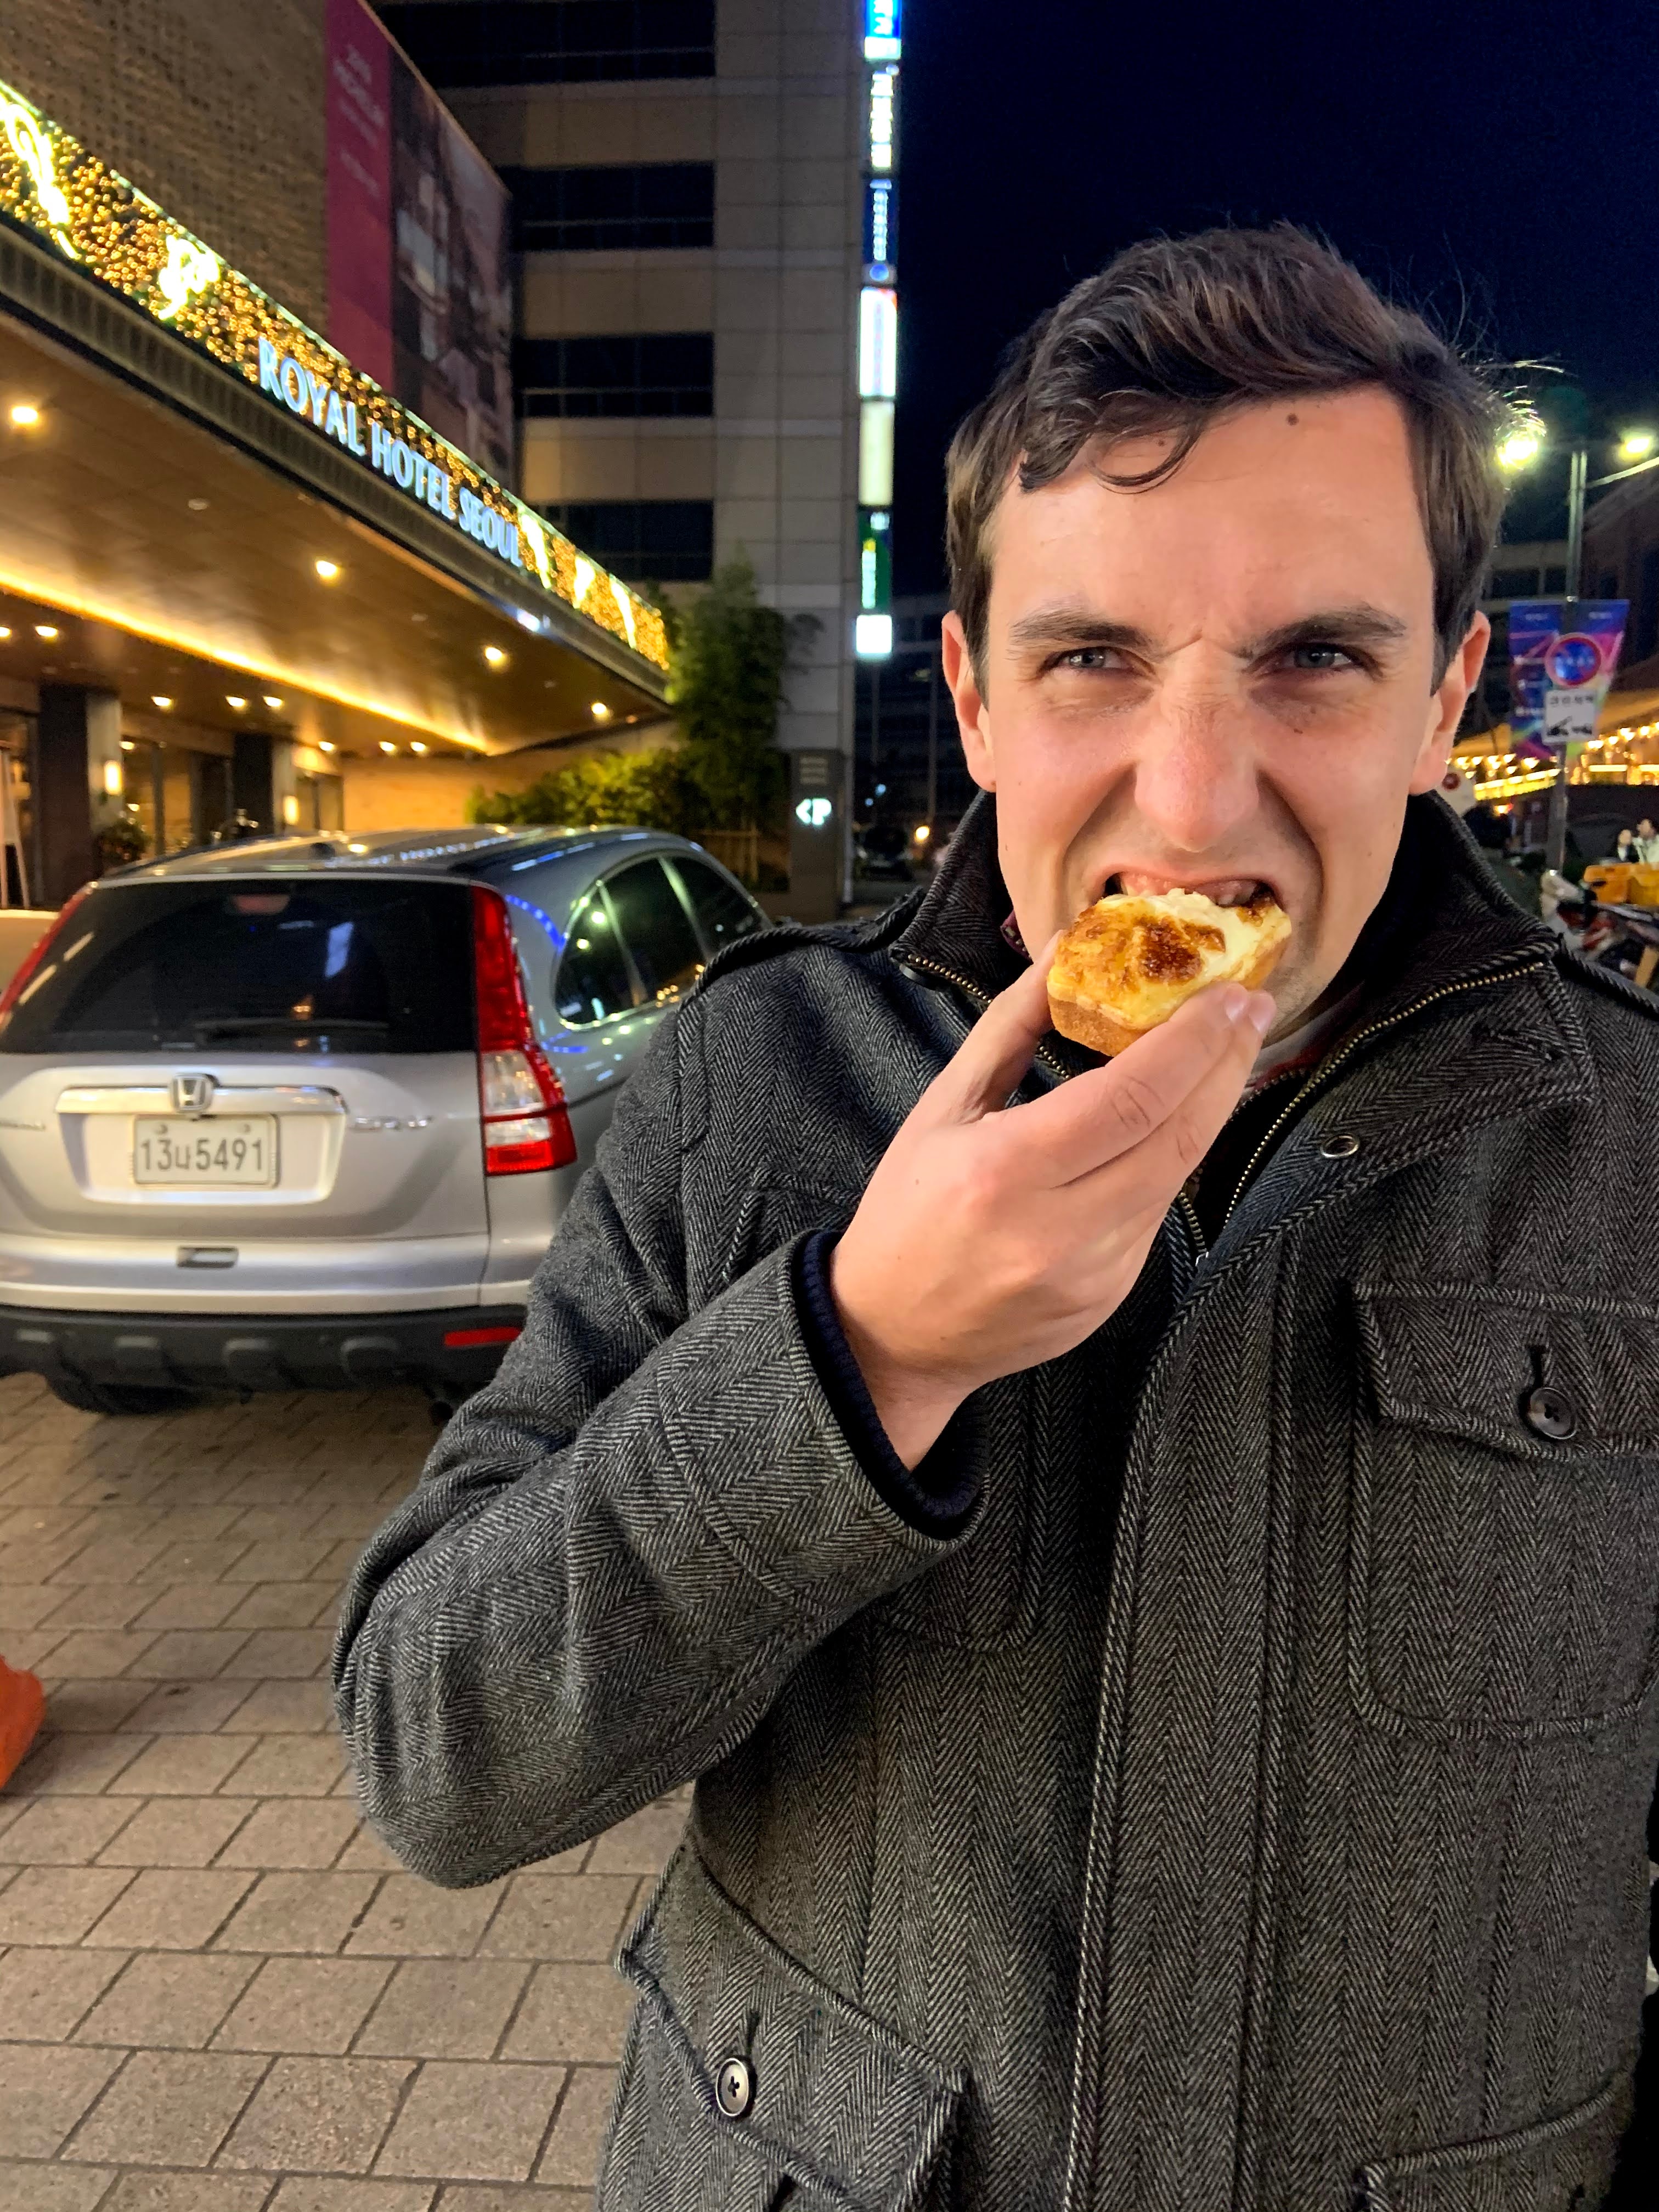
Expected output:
(526, 1129)
(33, 958)
(466, 1340)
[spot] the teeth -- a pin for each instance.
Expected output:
(1231, 890)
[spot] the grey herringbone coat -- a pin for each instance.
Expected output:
(1247, 1810)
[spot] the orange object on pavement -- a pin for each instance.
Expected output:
(23, 1708)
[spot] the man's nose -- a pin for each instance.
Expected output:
(1195, 775)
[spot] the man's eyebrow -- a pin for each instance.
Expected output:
(1361, 624)
(1068, 628)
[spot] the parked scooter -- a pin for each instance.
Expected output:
(1623, 939)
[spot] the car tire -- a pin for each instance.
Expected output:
(121, 1397)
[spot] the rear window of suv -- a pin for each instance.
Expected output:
(304, 963)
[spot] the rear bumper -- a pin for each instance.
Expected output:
(261, 1351)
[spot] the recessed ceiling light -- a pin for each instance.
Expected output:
(25, 415)
(197, 506)
(328, 570)
(417, 618)
(231, 700)
(271, 700)
(530, 621)
(156, 699)
(45, 629)
(416, 746)
(126, 744)
(387, 745)
(601, 712)
(4, 633)
(494, 655)
(325, 744)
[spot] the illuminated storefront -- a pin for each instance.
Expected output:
(234, 572)
(878, 308)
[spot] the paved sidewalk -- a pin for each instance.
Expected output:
(218, 1992)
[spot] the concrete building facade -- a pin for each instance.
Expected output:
(689, 205)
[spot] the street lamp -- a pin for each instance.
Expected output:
(1522, 447)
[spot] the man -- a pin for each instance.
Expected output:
(1152, 1566)
(1647, 842)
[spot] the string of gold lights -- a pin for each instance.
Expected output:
(50, 184)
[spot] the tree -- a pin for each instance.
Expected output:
(729, 658)
(729, 664)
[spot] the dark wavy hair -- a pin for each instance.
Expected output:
(1174, 333)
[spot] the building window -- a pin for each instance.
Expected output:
(582, 210)
(644, 541)
(462, 43)
(660, 373)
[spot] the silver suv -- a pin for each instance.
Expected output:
(304, 1112)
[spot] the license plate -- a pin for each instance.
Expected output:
(221, 1151)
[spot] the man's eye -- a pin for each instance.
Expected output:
(1320, 658)
(1089, 657)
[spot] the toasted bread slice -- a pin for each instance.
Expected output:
(1127, 961)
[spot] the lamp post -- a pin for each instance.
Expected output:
(1519, 451)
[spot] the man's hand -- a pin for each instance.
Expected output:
(992, 1238)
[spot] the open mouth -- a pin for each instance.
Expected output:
(1225, 890)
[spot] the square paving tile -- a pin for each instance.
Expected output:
(176, 1832)
(50, 2188)
(288, 1832)
(95, 1708)
(282, 1605)
(185, 1708)
(187, 1605)
(187, 2192)
(473, 2123)
(318, 2115)
(291, 1766)
(305, 2192)
(57, 1904)
(415, 1918)
(297, 1913)
(25, 1605)
(166, 2108)
(571, 2160)
(184, 1766)
(62, 1830)
(171, 1908)
(167, 2001)
(307, 2005)
(285, 1709)
(190, 1655)
(43, 1992)
(281, 1654)
(43, 2090)
(575, 2013)
(204, 1562)
(96, 1605)
(446, 2009)
(94, 1651)
(642, 1843)
(559, 1916)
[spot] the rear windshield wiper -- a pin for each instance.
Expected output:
(286, 1025)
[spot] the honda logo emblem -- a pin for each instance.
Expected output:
(192, 1094)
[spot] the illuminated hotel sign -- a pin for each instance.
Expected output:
(51, 185)
(881, 30)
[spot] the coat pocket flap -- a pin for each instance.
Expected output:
(1466, 1361)
(837, 2102)
(1567, 2162)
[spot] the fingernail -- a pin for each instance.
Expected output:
(1262, 1013)
(1232, 1001)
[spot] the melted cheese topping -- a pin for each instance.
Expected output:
(1139, 957)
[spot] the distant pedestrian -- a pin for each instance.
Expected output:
(1626, 850)
(1647, 842)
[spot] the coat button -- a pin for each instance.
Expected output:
(734, 2088)
(1339, 1147)
(1550, 1412)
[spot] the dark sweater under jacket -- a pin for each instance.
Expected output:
(1243, 1809)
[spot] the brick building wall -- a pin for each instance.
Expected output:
(214, 109)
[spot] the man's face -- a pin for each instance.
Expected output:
(1644, 828)
(1224, 681)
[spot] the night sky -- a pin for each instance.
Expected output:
(1492, 166)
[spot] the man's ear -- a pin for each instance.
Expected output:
(973, 710)
(1447, 704)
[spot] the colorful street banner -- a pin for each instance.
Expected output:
(1563, 653)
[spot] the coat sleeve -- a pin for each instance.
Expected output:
(619, 1549)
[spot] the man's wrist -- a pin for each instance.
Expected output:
(913, 1407)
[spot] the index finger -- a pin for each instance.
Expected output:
(998, 1048)
(1100, 1115)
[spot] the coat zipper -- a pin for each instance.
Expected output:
(1328, 1067)
(979, 999)
(1078, 2186)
